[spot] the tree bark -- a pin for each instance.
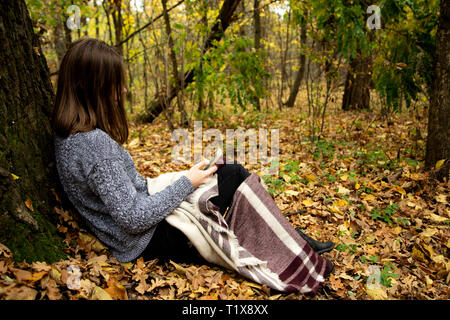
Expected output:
(257, 36)
(26, 144)
(438, 141)
(301, 71)
(173, 59)
(357, 84)
(217, 31)
(118, 24)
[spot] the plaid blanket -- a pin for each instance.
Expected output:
(254, 239)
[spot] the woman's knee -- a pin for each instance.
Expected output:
(236, 170)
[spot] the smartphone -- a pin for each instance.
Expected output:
(216, 157)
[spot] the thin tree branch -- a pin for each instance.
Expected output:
(149, 23)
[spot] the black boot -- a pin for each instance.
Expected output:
(318, 247)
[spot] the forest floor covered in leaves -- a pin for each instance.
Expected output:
(362, 185)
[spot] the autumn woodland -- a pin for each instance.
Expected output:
(354, 96)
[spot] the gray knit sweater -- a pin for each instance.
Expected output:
(100, 179)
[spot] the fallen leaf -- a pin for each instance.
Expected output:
(37, 276)
(442, 198)
(439, 163)
(21, 293)
(116, 290)
(291, 192)
(100, 294)
(376, 292)
(398, 189)
(344, 190)
(416, 253)
(369, 197)
(429, 232)
(29, 205)
(22, 275)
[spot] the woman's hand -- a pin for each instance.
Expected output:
(199, 176)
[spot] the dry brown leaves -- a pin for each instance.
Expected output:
(360, 189)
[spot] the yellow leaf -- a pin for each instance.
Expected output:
(436, 218)
(438, 258)
(14, 176)
(307, 202)
(310, 177)
(369, 197)
(442, 198)
(376, 293)
(127, 265)
(398, 230)
(429, 232)
(134, 143)
(334, 209)
(370, 238)
(343, 190)
(100, 294)
(439, 163)
(416, 253)
(428, 281)
(291, 192)
(344, 177)
(399, 189)
(29, 205)
(340, 203)
(357, 186)
(37, 276)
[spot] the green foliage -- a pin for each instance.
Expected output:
(385, 214)
(288, 172)
(232, 69)
(247, 73)
(344, 247)
(344, 23)
(405, 51)
(387, 274)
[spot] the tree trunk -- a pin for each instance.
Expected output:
(27, 168)
(357, 84)
(257, 36)
(173, 59)
(118, 24)
(438, 141)
(217, 31)
(284, 56)
(301, 71)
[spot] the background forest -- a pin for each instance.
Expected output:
(355, 87)
(269, 50)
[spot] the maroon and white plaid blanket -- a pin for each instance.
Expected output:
(254, 239)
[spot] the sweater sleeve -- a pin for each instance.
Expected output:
(134, 211)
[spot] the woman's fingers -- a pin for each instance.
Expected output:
(211, 170)
(201, 164)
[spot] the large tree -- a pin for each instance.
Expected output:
(27, 170)
(438, 141)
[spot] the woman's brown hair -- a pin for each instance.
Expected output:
(89, 93)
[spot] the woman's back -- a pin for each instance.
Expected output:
(101, 181)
